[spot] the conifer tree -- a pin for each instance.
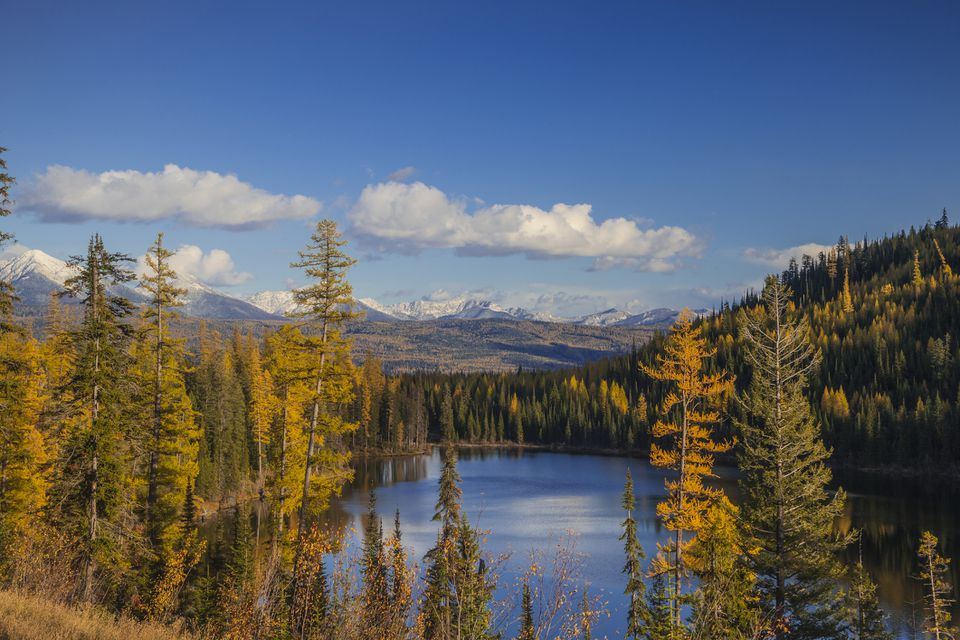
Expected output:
(7, 296)
(917, 274)
(660, 623)
(633, 567)
(400, 588)
(690, 449)
(24, 480)
(527, 631)
(846, 298)
(326, 303)
(786, 505)
(263, 405)
(866, 618)
(290, 373)
(96, 450)
(945, 271)
(724, 604)
(173, 438)
(373, 569)
(937, 602)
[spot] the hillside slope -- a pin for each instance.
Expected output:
(887, 390)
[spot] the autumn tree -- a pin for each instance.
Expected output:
(24, 479)
(93, 485)
(933, 577)
(787, 508)
(724, 604)
(290, 372)
(687, 413)
(325, 304)
(846, 300)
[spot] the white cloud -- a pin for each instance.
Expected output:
(214, 268)
(780, 258)
(401, 174)
(407, 218)
(199, 198)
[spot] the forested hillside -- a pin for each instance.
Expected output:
(884, 314)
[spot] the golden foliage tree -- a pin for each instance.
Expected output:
(933, 572)
(687, 413)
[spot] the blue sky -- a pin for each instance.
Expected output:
(706, 138)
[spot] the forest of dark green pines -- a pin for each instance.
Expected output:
(887, 390)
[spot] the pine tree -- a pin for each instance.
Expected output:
(917, 274)
(946, 272)
(866, 616)
(376, 593)
(7, 295)
(440, 603)
(691, 447)
(786, 505)
(937, 602)
(326, 303)
(401, 588)
(660, 617)
(527, 631)
(96, 388)
(633, 567)
(24, 480)
(262, 408)
(173, 440)
(846, 298)
(724, 604)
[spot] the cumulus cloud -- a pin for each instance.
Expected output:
(215, 267)
(401, 174)
(199, 198)
(407, 218)
(780, 258)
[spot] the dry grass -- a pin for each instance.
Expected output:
(29, 618)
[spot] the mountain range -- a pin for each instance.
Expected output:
(35, 275)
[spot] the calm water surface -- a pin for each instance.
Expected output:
(531, 500)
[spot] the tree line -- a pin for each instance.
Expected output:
(882, 314)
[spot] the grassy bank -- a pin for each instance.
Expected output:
(29, 618)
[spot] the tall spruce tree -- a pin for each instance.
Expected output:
(787, 508)
(96, 484)
(173, 437)
(325, 303)
(636, 608)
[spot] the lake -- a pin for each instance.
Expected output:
(531, 499)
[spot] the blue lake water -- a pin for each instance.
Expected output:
(534, 499)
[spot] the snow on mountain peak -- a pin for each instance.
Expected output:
(34, 261)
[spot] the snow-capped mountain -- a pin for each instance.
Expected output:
(651, 318)
(35, 275)
(279, 303)
(604, 318)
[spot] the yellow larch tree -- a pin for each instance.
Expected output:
(688, 445)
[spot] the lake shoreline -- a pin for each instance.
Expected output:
(891, 471)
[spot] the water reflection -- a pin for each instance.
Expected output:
(531, 499)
